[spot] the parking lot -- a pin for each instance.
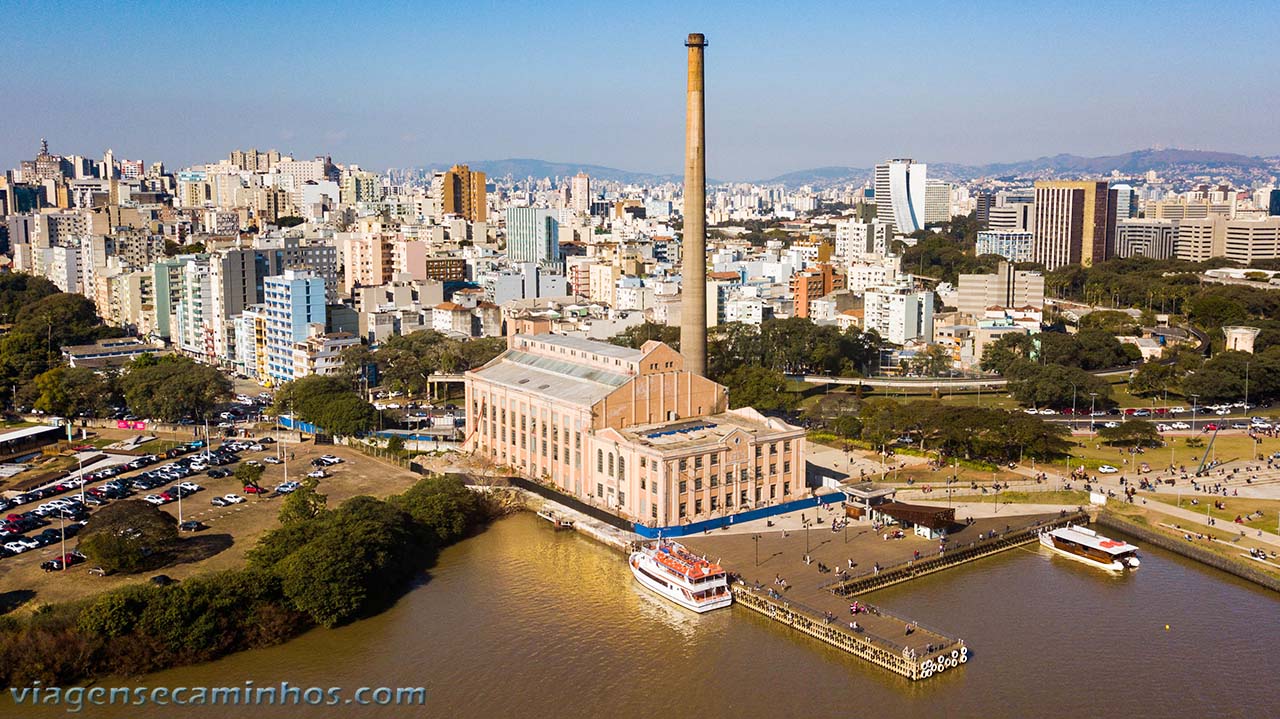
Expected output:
(225, 532)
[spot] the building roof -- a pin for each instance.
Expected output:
(708, 431)
(28, 432)
(935, 518)
(581, 344)
(566, 381)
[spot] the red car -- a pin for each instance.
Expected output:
(1211, 428)
(250, 489)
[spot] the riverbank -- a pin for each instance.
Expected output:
(333, 567)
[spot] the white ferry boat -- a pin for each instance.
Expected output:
(671, 571)
(1088, 546)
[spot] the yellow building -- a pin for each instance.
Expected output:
(464, 193)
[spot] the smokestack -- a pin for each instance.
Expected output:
(693, 311)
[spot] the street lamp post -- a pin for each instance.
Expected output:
(1195, 402)
(756, 538)
(1092, 397)
(1073, 406)
(1246, 387)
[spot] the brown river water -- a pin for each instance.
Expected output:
(522, 621)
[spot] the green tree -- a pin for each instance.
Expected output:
(1131, 432)
(763, 389)
(303, 504)
(173, 387)
(249, 475)
(442, 508)
(121, 535)
(635, 336)
(1153, 379)
(1055, 386)
(327, 402)
(71, 391)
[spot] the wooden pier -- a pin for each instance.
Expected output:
(977, 549)
(826, 611)
(903, 660)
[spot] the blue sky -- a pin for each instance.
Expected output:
(790, 85)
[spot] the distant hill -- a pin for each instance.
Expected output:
(1184, 162)
(822, 176)
(520, 168)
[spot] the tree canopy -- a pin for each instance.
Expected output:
(173, 387)
(121, 535)
(793, 346)
(327, 402)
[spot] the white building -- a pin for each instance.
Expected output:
(899, 314)
(900, 194)
(1013, 245)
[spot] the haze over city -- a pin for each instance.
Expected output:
(793, 86)
(713, 360)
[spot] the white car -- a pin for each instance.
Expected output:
(1164, 428)
(331, 459)
(232, 498)
(1046, 410)
(154, 499)
(256, 447)
(318, 474)
(1180, 425)
(1031, 410)
(1110, 425)
(16, 547)
(1107, 469)
(272, 460)
(190, 486)
(1177, 410)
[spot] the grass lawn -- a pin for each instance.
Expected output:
(1235, 506)
(1073, 498)
(1232, 545)
(1234, 444)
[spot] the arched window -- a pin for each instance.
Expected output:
(611, 463)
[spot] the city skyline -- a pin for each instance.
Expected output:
(445, 86)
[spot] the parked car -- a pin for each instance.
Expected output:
(191, 525)
(219, 473)
(250, 489)
(318, 474)
(156, 499)
(1107, 469)
(287, 487)
(272, 460)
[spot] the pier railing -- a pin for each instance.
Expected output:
(910, 569)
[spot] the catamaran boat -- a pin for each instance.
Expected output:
(1088, 546)
(671, 571)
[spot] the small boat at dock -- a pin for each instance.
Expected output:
(1085, 545)
(556, 520)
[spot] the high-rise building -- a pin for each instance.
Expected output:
(937, 201)
(1145, 238)
(1013, 245)
(1273, 206)
(580, 194)
(813, 283)
(900, 194)
(1019, 216)
(899, 314)
(295, 309)
(1075, 223)
(1240, 240)
(533, 235)
(463, 193)
(1126, 201)
(1007, 288)
(983, 202)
